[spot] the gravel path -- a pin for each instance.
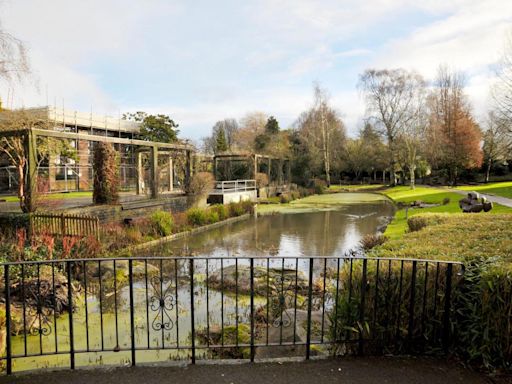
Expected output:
(367, 370)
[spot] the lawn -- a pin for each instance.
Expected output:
(355, 187)
(53, 196)
(429, 195)
(499, 189)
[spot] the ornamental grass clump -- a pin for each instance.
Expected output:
(162, 222)
(197, 216)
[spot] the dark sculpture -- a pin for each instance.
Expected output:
(474, 203)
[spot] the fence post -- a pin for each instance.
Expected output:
(447, 307)
(8, 319)
(252, 309)
(362, 308)
(412, 303)
(310, 305)
(132, 322)
(62, 225)
(192, 320)
(70, 304)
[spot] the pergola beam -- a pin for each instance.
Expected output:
(109, 139)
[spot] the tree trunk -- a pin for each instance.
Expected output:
(488, 171)
(413, 177)
(21, 187)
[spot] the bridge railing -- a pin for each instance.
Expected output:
(107, 311)
(235, 186)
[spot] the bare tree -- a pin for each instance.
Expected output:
(497, 142)
(13, 57)
(323, 132)
(502, 90)
(390, 95)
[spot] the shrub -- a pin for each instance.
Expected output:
(221, 211)
(370, 241)
(284, 198)
(212, 216)
(319, 186)
(295, 195)
(201, 184)
(247, 206)
(416, 223)
(197, 216)
(106, 174)
(162, 222)
(236, 209)
(446, 201)
(133, 235)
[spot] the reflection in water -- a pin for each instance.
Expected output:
(316, 233)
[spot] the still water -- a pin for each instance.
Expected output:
(308, 230)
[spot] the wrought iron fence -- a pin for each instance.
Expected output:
(104, 311)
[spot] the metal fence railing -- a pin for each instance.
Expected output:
(103, 311)
(235, 186)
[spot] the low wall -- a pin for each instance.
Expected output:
(113, 213)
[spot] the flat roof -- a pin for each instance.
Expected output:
(66, 117)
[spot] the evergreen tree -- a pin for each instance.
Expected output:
(221, 144)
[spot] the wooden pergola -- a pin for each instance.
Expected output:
(154, 148)
(283, 164)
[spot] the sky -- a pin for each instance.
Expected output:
(203, 61)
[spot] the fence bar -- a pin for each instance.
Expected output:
(132, 322)
(8, 319)
(192, 316)
(412, 300)
(71, 333)
(362, 308)
(310, 305)
(252, 308)
(447, 307)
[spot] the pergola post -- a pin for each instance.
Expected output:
(280, 172)
(154, 172)
(140, 173)
(188, 165)
(288, 172)
(171, 174)
(255, 166)
(31, 182)
(268, 170)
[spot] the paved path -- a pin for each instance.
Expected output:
(495, 199)
(348, 370)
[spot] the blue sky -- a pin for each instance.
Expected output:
(201, 61)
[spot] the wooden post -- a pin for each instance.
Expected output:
(188, 165)
(255, 166)
(154, 172)
(268, 170)
(62, 225)
(140, 174)
(171, 175)
(31, 182)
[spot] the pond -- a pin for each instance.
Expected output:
(330, 225)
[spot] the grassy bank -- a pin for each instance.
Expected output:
(482, 304)
(444, 201)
